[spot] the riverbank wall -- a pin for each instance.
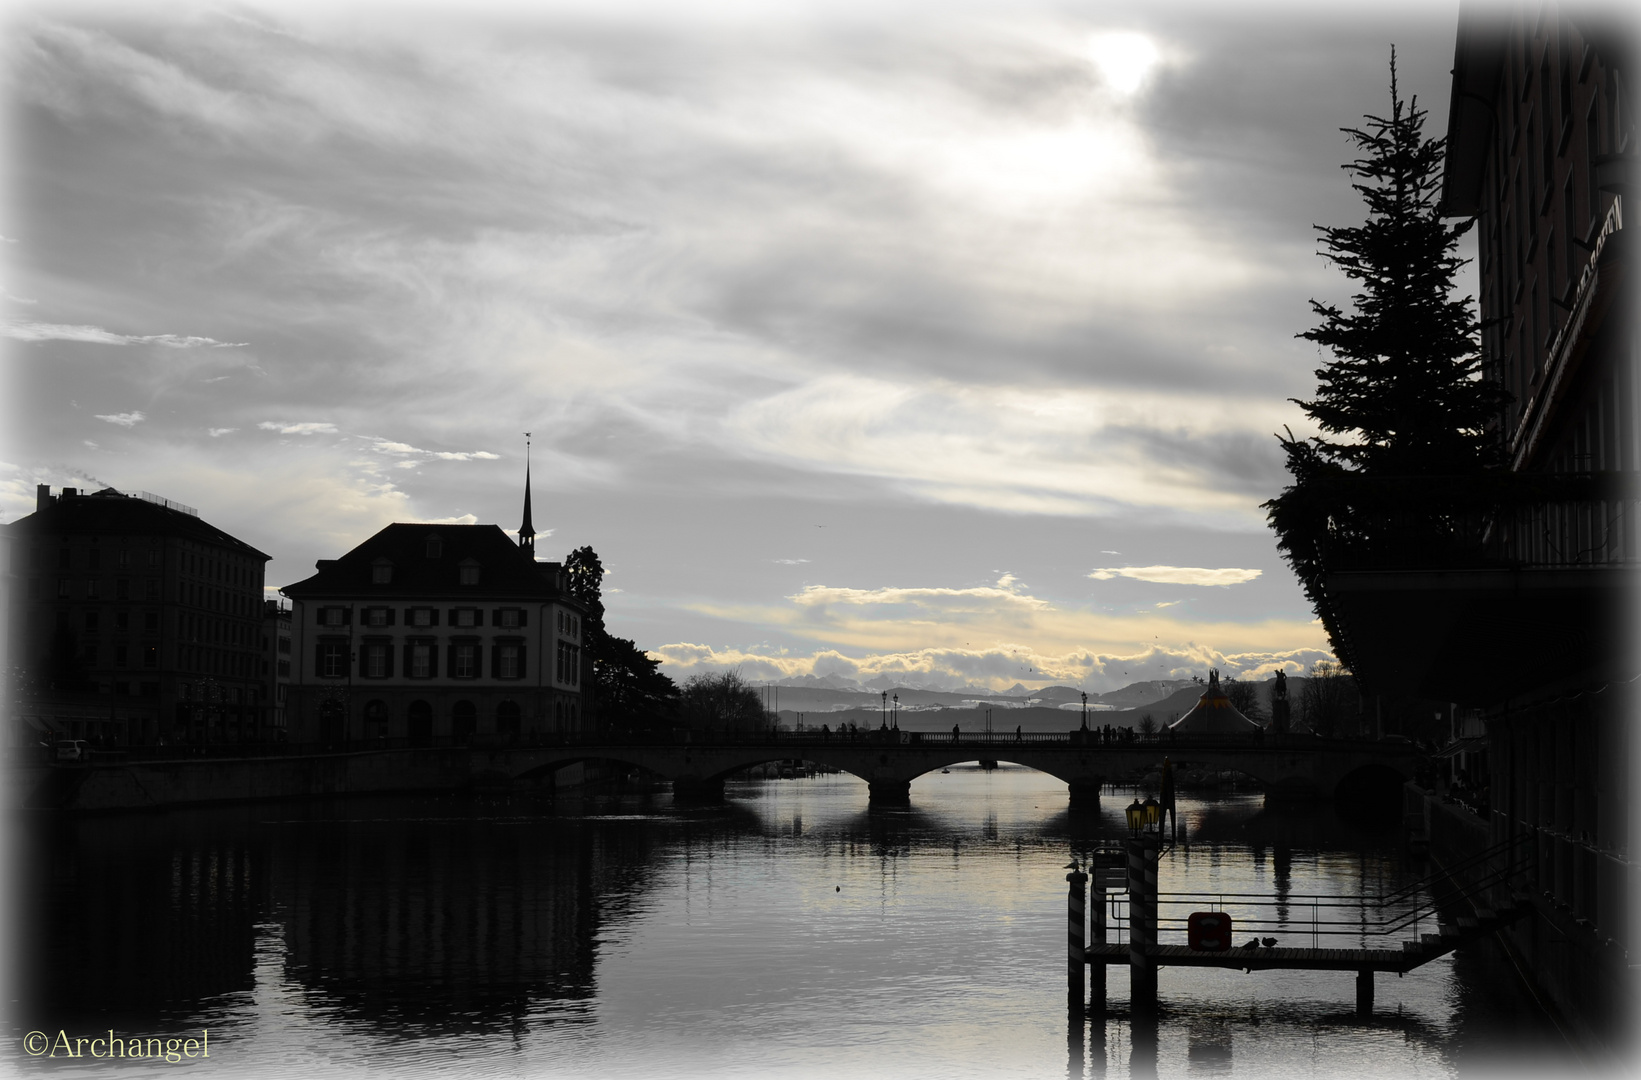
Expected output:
(1579, 975)
(144, 785)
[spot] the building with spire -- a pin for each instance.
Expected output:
(435, 635)
(527, 529)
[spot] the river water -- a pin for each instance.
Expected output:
(792, 931)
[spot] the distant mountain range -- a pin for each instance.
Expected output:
(830, 693)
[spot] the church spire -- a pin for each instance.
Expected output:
(527, 531)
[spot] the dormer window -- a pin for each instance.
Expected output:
(435, 547)
(470, 572)
(381, 572)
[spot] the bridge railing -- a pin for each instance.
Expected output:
(1117, 739)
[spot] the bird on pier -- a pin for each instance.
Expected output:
(1269, 943)
(1253, 943)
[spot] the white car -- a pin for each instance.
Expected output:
(73, 750)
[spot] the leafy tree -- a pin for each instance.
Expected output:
(1402, 387)
(586, 575)
(632, 691)
(1326, 698)
(724, 702)
(1244, 697)
(1148, 723)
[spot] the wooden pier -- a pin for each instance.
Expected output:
(1463, 915)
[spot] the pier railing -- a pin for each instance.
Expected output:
(1441, 899)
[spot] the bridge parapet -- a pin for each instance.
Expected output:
(890, 761)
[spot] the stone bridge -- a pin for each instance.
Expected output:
(1289, 766)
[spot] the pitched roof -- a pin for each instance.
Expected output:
(1214, 714)
(505, 570)
(112, 512)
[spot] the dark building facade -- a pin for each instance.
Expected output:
(1541, 151)
(134, 622)
(434, 635)
(1509, 598)
(275, 665)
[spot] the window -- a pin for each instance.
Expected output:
(422, 616)
(90, 589)
(89, 654)
(381, 573)
(378, 616)
(285, 645)
(119, 655)
(91, 621)
(378, 660)
(510, 618)
(333, 659)
(125, 558)
(151, 589)
(470, 573)
(62, 589)
(284, 668)
(435, 547)
(151, 621)
(150, 656)
(122, 588)
(419, 659)
(465, 617)
(509, 660)
(464, 660)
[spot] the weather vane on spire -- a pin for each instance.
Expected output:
(527, 530)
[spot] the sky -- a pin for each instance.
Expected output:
(947, 342)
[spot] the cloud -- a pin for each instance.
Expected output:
(1177, 575)
(389, 446)
(308, 427)
(459, 519)
(124, 419)
(40, 331)
(218, 432)
(1063, 450)
(819, 598)
(996, 667)
(789, 562)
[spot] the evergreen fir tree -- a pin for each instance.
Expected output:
(1402, 387)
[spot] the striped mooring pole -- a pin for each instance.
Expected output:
(1142, 899)
(1076, 961)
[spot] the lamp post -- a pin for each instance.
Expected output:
(1085, 709)
(885, 694)
(895, 715)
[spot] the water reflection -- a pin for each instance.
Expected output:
(795, 927)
